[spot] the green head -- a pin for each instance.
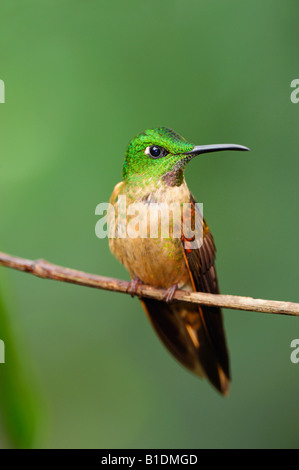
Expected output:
(161, 153)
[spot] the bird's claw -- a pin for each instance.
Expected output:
(168, 296)
(133, 286)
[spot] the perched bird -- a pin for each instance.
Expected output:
(153, 173)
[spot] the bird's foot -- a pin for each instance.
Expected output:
(168, 296)
(133, 286)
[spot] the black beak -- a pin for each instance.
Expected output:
(198, 149)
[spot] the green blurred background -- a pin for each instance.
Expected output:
(82, 78)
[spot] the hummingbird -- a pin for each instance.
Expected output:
(153, 172)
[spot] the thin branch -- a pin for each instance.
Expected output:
(46, 270)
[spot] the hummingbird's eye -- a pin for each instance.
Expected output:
(155, 151)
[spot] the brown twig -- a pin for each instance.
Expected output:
(45, 270)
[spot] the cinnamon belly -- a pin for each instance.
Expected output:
(158, 262)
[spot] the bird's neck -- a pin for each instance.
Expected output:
(170, 187)
(170, 179)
